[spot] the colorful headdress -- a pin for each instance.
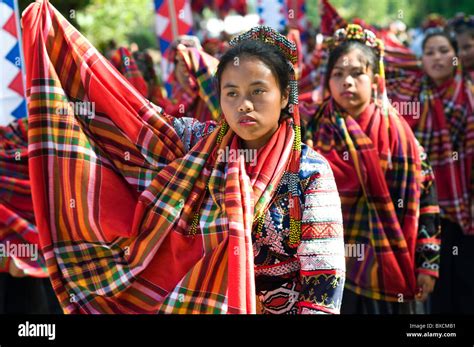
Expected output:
(269, 35)
(354, 32)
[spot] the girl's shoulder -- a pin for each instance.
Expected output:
(313, 163)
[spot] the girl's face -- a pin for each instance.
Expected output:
(351, 82)
(251, 100)
(466, 50)
(438, 58)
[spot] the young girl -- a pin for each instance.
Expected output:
(140, 212)
(463, 26)
(445, 128)
(388, 202)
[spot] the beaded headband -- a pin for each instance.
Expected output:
(354, 32)
(269, 35)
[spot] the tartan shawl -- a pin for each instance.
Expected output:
(445, 128)
(123, 61)
(118, 200)
(17, 221)
(378, 173)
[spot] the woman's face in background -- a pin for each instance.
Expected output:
(466, 50)
(351, 82)
(438, 59)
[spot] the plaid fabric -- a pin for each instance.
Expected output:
(445, 128)
(377, 167)
(123, 61)
(16, 208)
(118, 196)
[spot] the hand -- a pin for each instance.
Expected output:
(309, 143)
(426, 285)
(189, 41)
(181, 72)
(15, 271)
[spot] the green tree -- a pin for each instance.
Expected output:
(124, 21)
(446, 8)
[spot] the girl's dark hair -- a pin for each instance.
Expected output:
(451, 39)
(368, 54)
(465, 29)
(268, 54)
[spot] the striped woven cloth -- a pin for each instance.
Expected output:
(376, 163)
(117, 196)
(18, 232)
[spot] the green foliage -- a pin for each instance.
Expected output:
(446, 8)
(124, 21)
